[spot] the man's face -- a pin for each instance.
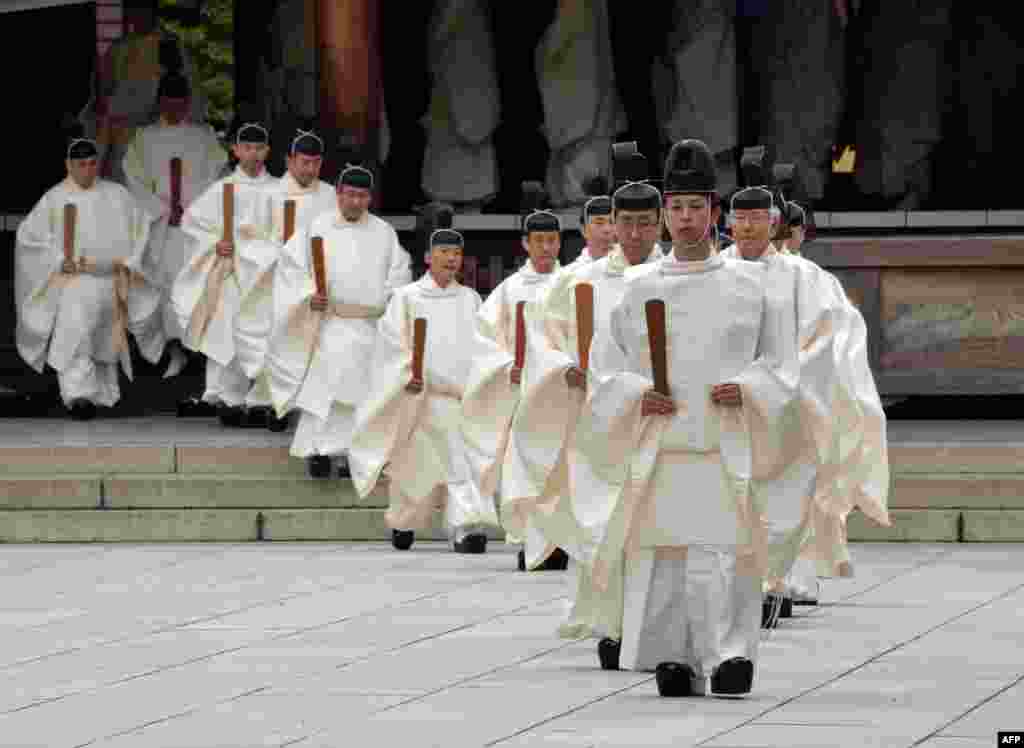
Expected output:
(173, 109)
(543, 248)
(689, 217)
(304, 169)
(251, 157)
(445, 261)
(637, 232)
(752, 229)
(353, 202)
(599, 232)
(84, 171)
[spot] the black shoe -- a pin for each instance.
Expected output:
(733, 677)
(786, 611)
(674, 679)
(521, 561)
(557, 561)
(230, 417)
(319, 466)
(257, 418)
(82, 410)
(343, 469)
(608, 651)
(195, 408)
(472, 543)
(402, 539)
(770, 609)
(275, 424)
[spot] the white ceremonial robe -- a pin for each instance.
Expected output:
(208, 291)
(490, 400)
(843, 452)
(415, 439)
(148, 175)
(78, 323)
(319, 362)
(537, 488)
(694, 559)
(254, 321)
(459, 163)
(582, 114)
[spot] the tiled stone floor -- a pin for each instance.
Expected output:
(318, 645)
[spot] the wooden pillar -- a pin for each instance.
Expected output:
(350, 78)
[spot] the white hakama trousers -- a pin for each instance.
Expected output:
(86, 379)
(593, 612)
(330, 437)
(225, 384)
(259, 394)
(691, 605)
(465, 508)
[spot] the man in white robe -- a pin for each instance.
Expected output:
(408, 428)
(319, 356)
(221, 271)
(75, 314)
(542, 442)
(148, 175)
(664, 479)
(302, 185)
(494, 385)
(598, 231)
(838, 409)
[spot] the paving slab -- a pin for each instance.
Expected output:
(338, 644)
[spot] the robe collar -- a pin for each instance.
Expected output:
(428, 287)
(73, 186)
(671, 266)
(240, 177)
(292, 187)
(617, 264)
(530, 275)
(341, 223)
(770, 254)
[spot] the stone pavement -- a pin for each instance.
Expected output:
(317, 645)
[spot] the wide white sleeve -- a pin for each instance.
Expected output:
(138, 179)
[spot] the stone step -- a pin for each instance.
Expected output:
(957, 491)
(941, 526)
(192, 525)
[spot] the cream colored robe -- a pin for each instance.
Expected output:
(630, 468)
(195, 289)
(582, 114)
(61, 317)
(490, 399)
(254, 321)
(459, 163)
(415, 438)
(320, 361)
(542, 442)
(838, 409)
(148, 175)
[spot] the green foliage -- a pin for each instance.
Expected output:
(211, 47)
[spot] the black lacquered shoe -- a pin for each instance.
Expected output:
(402, 540)
(733, 677)
(608, 651)
(770, 609)
(521, 561)
(82, 410)
(230, 417)
(472, 543)
(674, 679)
(557, 561)
(786, 610)
(319, 466)
(275, 424)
